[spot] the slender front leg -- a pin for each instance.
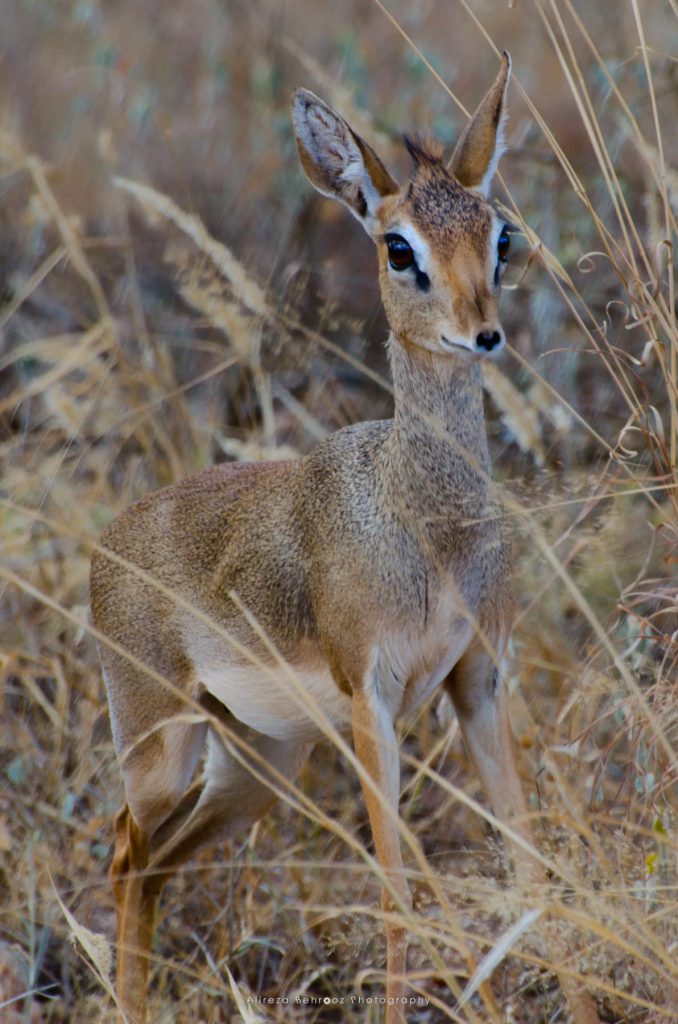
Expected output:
(480, 702)
(376, 748)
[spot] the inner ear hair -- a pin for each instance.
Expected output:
(337, 161)
(477, 152)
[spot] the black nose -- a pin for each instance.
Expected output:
(488, 340)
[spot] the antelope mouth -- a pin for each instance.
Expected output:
(452, 345)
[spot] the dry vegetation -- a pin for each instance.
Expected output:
(135, 348)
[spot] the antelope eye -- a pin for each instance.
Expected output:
(400, 254)
(503, 246)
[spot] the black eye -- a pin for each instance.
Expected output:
(400, 254)
(503, 246)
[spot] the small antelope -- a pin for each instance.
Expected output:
(375, 566)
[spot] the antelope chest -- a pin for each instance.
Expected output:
(418, 661)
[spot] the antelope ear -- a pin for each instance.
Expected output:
(337, 161)
(477, 153)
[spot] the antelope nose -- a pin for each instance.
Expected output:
(488, 340)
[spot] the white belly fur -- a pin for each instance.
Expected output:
(284, 704)
(292, 704)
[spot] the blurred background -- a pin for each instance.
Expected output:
(173, 293)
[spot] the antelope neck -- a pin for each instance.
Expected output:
(438, 444)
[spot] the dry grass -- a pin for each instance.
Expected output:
(135, 348)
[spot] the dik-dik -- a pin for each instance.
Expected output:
(375, 566)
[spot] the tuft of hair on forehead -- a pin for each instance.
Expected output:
(425, 151)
